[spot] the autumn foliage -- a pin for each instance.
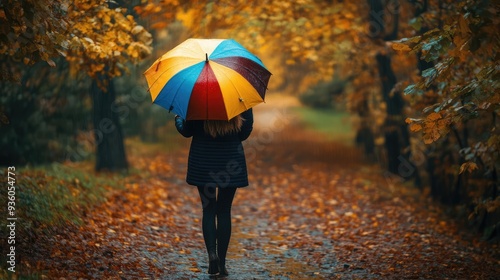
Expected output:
(93, 37)
(459, 96)
(419, 79)
(104, 40)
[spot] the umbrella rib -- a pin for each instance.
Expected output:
(236, 88)
(159, 76)
(171, 106)
(167, 69)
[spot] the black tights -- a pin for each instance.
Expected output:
(217, 206)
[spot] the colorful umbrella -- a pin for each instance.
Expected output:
(208, 79)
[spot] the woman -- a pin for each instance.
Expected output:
(217, 166)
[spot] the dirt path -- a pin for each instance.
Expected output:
(313, 211)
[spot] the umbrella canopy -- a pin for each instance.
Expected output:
(208, 79)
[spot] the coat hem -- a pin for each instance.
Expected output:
(211, 183)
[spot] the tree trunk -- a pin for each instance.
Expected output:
(394, 126)
(395, 129)
(364, 135)
(110, 148)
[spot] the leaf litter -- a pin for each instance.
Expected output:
(313, 210)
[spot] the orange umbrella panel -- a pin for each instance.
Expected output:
(219, 84)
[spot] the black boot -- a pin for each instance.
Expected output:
(222, 269)
(213, 263)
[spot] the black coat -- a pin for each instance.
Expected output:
(218, 161)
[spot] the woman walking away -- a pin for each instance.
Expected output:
(217, 166)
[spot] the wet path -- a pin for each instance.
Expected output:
(274, 235)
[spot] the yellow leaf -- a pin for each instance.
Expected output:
(187, 18)
(468, 166)
(194, 269)
(88, 40)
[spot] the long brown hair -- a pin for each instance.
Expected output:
(219, 128)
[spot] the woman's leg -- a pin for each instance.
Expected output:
(224, 203)
(209, 203)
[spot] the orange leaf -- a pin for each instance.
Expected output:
(414, 127)
(433, 116)
(400, 47)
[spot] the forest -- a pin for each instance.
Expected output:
(375, 154)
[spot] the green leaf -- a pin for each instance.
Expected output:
(430, 75)
(429, 72)
(413, 89)
(416, 23)
(435, 46)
